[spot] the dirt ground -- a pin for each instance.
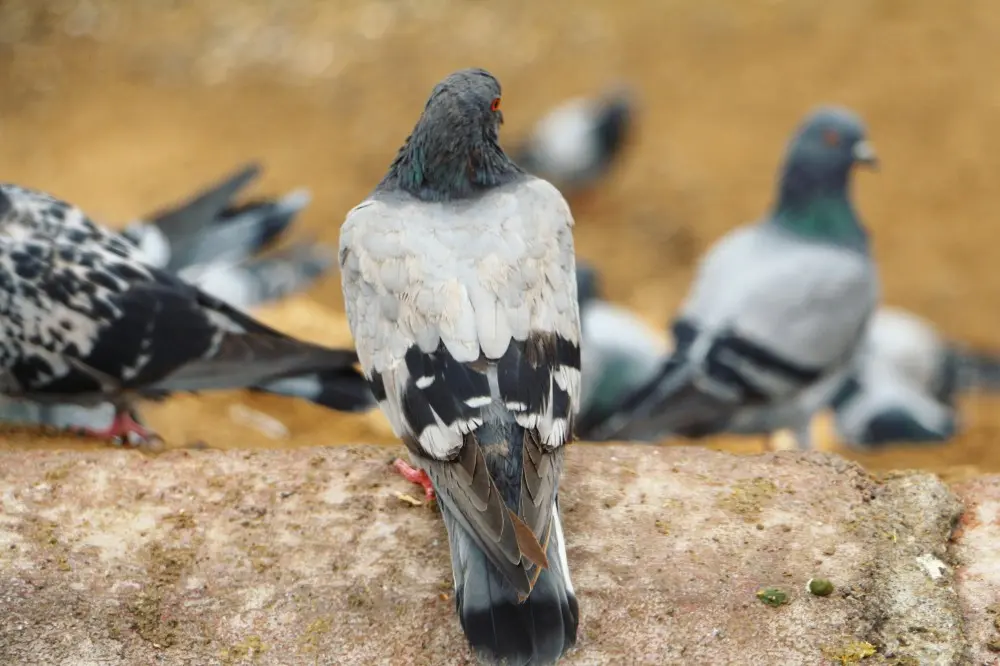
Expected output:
(123, 107)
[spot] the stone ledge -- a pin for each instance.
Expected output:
(310, 556)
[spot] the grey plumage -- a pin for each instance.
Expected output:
(85, 321)
(619, 353)
(777, 311)
(907, 385)
(577, 142)
(459, 284)
(264, 279)
(215, 243)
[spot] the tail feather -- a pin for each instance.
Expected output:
(340, 389)
(181, 225)
(262, 280)
(538, 630)
(240, 233)
(275, 215)
(973, 370)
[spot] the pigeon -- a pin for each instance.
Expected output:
(574, 145)
(619, 353)
(213, 243)
(458, 274)
(906, 388)
(209, 227)
(266, 279)
(87, 323)
(778, 310)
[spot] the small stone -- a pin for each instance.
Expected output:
(772, 596)
(820, 587)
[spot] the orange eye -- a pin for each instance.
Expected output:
(831, 138)
(495, 106)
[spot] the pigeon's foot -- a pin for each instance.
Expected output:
(126, 430)
(414, 475)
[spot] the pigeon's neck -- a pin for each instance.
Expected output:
(432, 169)
(819, 209)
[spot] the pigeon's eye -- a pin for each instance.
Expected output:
(831, 138)
(495, 105)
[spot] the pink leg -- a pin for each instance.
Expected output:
(126, 430)
(414, 475)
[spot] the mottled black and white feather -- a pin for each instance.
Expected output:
(84, 320)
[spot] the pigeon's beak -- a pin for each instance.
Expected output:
(500, 117)
(864, 153)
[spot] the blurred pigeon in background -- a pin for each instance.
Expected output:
(459, 283)
(778, 309)
(211, 242)
(906, 387)
(574, 145)
(86, 322)
(619, 353)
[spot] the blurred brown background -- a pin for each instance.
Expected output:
(122, 107)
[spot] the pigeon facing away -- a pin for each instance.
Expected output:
(86, 322)
(619, 354)
(906, 387)
(213, 243)
(575, 144)
(778, 309)
(459, 283)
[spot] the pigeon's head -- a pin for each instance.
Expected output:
(466, 101)
(829, 142)
(454, 150)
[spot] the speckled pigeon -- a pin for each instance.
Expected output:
(459, 282)
(575, 144)
(778, 309)
(85, 321)
(619, 353)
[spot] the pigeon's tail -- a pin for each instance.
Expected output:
(968, 370)
(671, 403)
(243, 352)
(266, 219)
(499, 627)
(238, 233)
(266, 279)
(340, 389)
(165, 237)
(614, 121)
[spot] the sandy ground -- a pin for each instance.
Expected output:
(123, 107)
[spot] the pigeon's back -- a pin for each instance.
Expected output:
(810, 301)
(459, 245)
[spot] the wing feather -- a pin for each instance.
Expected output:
(461, 315)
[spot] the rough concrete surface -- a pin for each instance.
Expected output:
(310, 557)
(977, 551)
